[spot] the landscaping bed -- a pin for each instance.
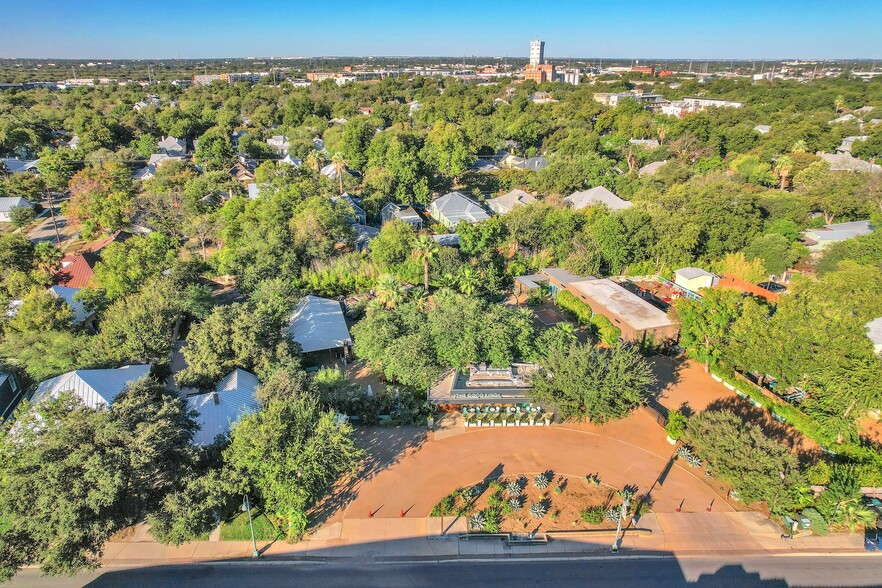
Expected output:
(543, 502)
(237, 528)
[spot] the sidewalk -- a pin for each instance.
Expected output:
(397, 539)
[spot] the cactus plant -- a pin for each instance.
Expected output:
(683, 452)
(477, 521)
(516, 503)
(693, 460)
(538, 510)
(513, 489)
(541, 481)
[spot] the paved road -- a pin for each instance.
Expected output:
(663, 571)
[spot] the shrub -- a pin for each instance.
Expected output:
(676, 424)
(593, 515)
(513, 488)
(446, 505)
(515, 503)
(568, 301)
(492, 518)
(538, 509)
(495, 499)
(558, 490)
(818, 473)
(606, 331)
(541, 481)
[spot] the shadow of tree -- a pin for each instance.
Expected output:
(383, 447)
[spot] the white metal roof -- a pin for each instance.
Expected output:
(596, 195)
(629, 307)
(318, 324)
(218, 411)
(456, 207)
(94, 387)
(10, 202)
(691, 273)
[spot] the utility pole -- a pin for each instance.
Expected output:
(52, 212)
(625, 505)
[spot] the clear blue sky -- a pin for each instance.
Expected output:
(632, 28)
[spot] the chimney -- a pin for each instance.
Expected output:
(215, 397)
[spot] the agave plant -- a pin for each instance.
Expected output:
(516, 502)
(538, 510)
(541, 481)
(683, 452)
(477, 521)
(513, 489)
(693, 460)
(613, 514)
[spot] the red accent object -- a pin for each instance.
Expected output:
(679, 507)
(709, 506)
(402, 514)
(370, 514)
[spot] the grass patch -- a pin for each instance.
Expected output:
(237, 529)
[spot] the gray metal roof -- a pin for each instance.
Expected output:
(596, 195)
(235, 398)
(692, 272)
(8, 203)
(563, 276)
(95, 388)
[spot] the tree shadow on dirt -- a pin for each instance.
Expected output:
(383, 447)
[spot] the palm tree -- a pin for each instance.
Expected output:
(468, 280)
(783, 167)
(339, 167)
(420, 297)
(854, 514)
(426, 248)
(388, 291)
(840, 104)
(662, 131)
(800, 146)
(314, 160)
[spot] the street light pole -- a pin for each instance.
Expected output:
(625, 505)
(246, 506)
(52, 212)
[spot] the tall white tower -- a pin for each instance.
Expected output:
(537, 53)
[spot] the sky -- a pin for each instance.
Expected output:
(739, 29)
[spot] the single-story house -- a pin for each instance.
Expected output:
(454, 208)
(77, 270)
(358, 211)
(555, 278)
(762, 129)
(330, 171)
(17, 166)
(217, 411)
(638, 319)
(595, 196)
(172, 146)
(532, 164)
(510, 161)
(484, 165)
(96, 388)
(447, 239)
(364, 234)
(292, 161)
(81, 315)
(844, 119)
(819, 239)
(507, 202)
(648, 144)
(243, 173)
(280, 143)
(10, 203)
(847, 162)
(848, 143)
(694, 278)
(650, 169)
(318, 324)
(402, 212)
(11, 394)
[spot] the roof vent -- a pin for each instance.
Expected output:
(215, 397)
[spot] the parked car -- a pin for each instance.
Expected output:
(773, 287)
(871, 539)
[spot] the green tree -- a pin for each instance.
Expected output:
(287, 455)
(101, 198)
(587, 383)
(73, 476)
(705, 323)
(44, 354)
(126, 265)
(22, 216)
(759, 468)
(388, 291)
(42, 311)
(215, 150)
(448, 149)
(776, 253)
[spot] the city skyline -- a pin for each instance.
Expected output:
(107, 29)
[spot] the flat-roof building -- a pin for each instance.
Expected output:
(635, 317)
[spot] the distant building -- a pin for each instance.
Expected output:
(537, 53)
(644, 69)
(595, 196)
(402, 212)
(848, 143)
(9, 204)
(318, 324)
(454, 208)
(172, 146)
(694, 278)
(819, 239)
(11, 394)
(762, 129)
(650, 169)
(359, 215)
(874, 332)
(280, 143)
(847, 162)
(508, 202)
(17, 166)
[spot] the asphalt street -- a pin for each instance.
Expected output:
(663, 571)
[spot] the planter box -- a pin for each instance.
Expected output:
(479, 424)
(741, 394)
(728, 385)
(671, 441)
(716, 377)
(755, 403)
(532, 422)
